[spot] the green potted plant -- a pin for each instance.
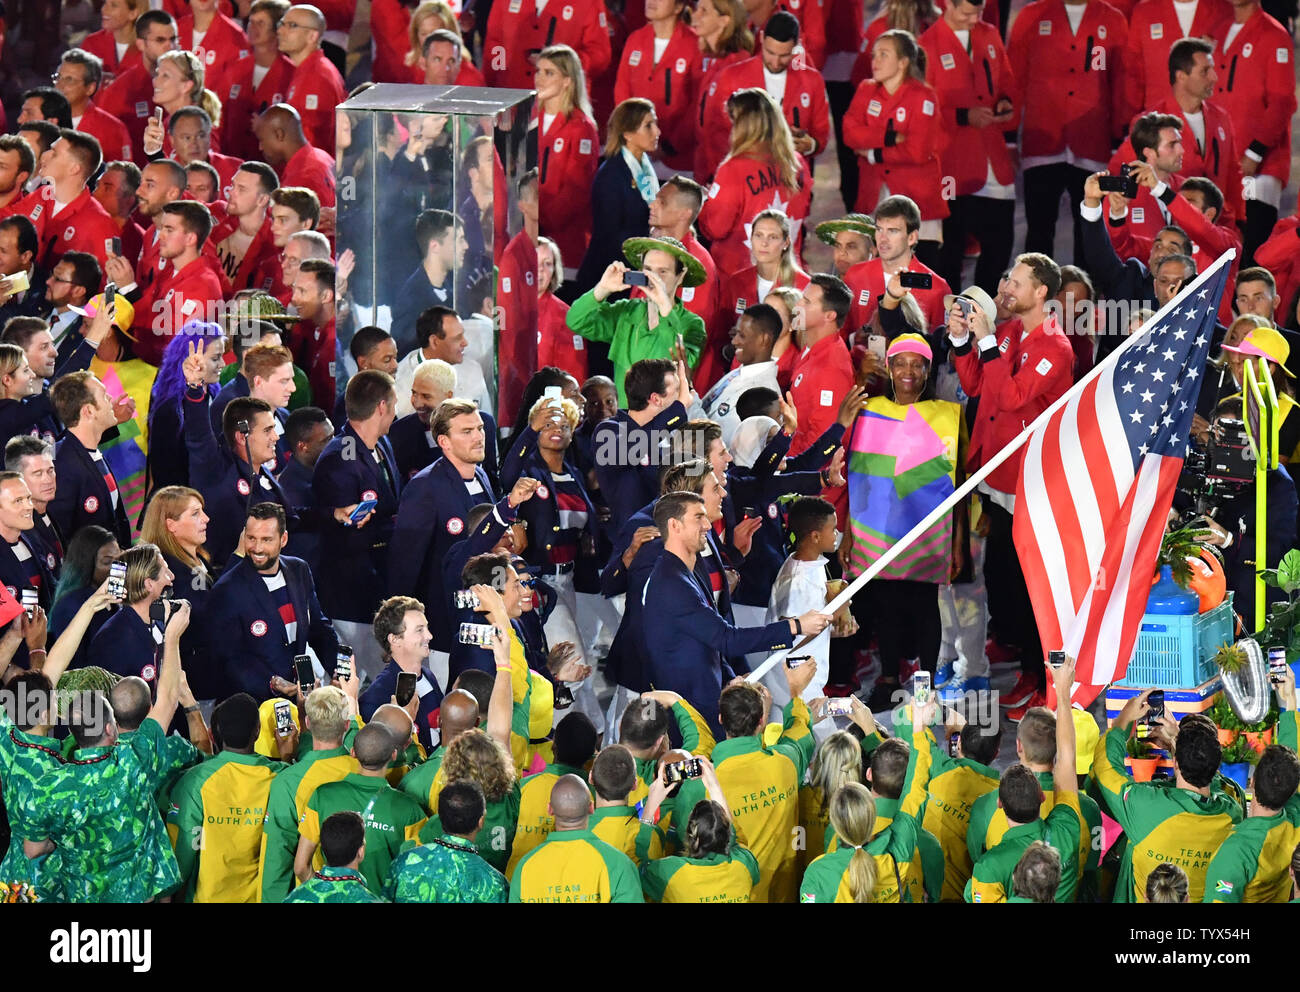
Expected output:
(1177, 546)
(1141, 757)
(1282, 624)
(1226, 720)
(1237, 759)
(1260, 735)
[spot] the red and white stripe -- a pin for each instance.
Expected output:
(1088, 527)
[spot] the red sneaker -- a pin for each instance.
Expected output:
(832, 689)
(998, 653)
(1039, 698)
(1018, 693)
(906, 669)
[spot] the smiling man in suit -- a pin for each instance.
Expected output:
(87, 492)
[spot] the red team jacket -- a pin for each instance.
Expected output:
(101, 43)
(705, 142)
(981, 78)
(176, 297)
(1072, 82)
(224, 44)
(82, 225)
(1220, 160)
(1280, 254)
(908, 169)
(112, 135)
(671, 84)
(1153, 27)
(803, 103)
(811, 15)
(260, 266)
(517, 341)
(556, 344)
(315, 89)
(1257, 89)
(823, 374)
(568, 155)
(314, 169)
(1025, 376)
(866, 282)
(244, 102)
(743, 187)
(130, 100)
(516, 30)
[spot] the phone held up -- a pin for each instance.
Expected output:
(405, 687)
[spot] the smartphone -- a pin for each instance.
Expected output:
(30, 599)
(405, 687)
(158, 115)
(921, 688)
(553, 393)
(636, 279)
(795, 660)
(1156, 705)
(1277, 665)
(563, 697)
(748, 512)
(283, 718)
(916, 280)
(953, 741)
(878, 346)
(158, 612)
(480, 634)
(964, 305)
(117, 580)
(18, 282)
(1055, 659)
(466, 600)
(839, 705)
(117, 250)
(343, 663)
(680, 771)
(364, 507)
(303, 673)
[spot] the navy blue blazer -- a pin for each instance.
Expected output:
(125, 645)
(626, 481)
(295, 482)
(430, 519)
(382, 689)
(50, 541)
(618, 212)
(195, 585)
(238, 386)
(356, 579)
(692, 642)
(415, 451)
(542, 511)
(248, 645)
(82, 497)
(65, 608)
(226, 484)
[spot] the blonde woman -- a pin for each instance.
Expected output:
(556, 344)
(568, 150)
(20, 414)
(861, 869)
(130, 642)
(762, 169)
(661, 62)
(476, 757)
(431, 16)
(725, 39)
(771, 246)
(179, 82)
(838, 762)
(622, 188)
(788, 346)
(914, 16)
(114, 42)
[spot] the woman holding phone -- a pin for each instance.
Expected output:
(130, 642)
(85, 568)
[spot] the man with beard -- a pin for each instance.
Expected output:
(1014, 387)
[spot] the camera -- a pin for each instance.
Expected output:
(795, 660)
(1217, 474)
(680, 771)
(1123, 183)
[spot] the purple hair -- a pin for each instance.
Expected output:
(169, 385)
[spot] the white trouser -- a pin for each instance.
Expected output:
(598, 619)
(562, 625)
(361, 638)
(963, 609)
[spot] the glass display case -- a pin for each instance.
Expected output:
(428, 200)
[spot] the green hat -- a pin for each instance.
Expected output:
(262, 306)
(634, 250)
(858, 223)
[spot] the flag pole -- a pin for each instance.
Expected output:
(966, 488)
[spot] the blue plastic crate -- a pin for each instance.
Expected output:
(1175, 651)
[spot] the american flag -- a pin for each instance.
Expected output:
(1097, 482)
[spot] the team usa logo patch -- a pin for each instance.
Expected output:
(772, 510)
(455, 525)
(258, 628)
(49, 559)
(148, 673)
(91, 504)
(368, 495)
(242, 487)
(543, 492)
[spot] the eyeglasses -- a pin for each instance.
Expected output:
(57, 279)
(529, 583)
(294, 27)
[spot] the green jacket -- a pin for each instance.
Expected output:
(497, 835)
(1253, 864)
(1162, 822)
(390, 819)
(990, 879)
(26, 761)
(334, 885)
(419, 781)
(625, 326)
(726, 877)
(447, 869)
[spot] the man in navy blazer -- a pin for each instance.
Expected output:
(22, 562)
(356, 467)
(692, 642)
(433, 514)
(632, 446)
(306, 433)
(87, 489)
(263, 611)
